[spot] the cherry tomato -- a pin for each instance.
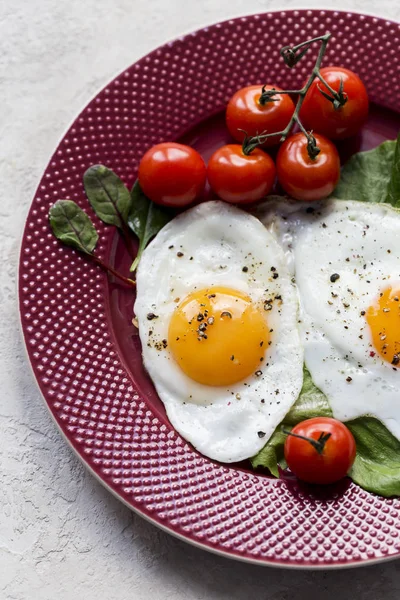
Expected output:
(318, 113)
(240, 178)
(305, 178)
(334, 460)
(244, 111)
(172, 174)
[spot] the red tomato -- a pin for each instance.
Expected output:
(317, 112)
(172, 174)
(327, 466)
(240, 178)
(305, 178)
(244, 111)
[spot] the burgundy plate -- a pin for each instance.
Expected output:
(86, 353)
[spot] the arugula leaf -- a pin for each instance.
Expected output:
(372, 176)
(377, 464)
(310, 403)
(107, 194)
(71, 225)
(145, 219)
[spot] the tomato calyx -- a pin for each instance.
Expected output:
(268, 96)
(250, 143)
(312, 148)
(318, 444)
(338, 98)
(292, 56)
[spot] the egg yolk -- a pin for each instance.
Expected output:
(218, 336)
(383, 318)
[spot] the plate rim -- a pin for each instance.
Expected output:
(253, 561)
(265, 562)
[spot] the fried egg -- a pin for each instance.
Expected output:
(217, 315)
(346, 260)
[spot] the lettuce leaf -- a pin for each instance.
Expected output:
(372, 176)
(393, 192)
(311, 399)
(271, 455)
(377, 464)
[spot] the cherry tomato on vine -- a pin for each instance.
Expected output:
(306, 178)
(331, 457)
(238, 177)
(172, 174)
(318, 113)
(246, 111)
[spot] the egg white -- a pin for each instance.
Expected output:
(207, 246)
(360, 242)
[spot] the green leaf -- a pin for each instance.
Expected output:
(71, 225)
(372, 176)
(107, 194)
(377, 464)
(393, 193)
(310, 403)
(145, 219)
(271, 455)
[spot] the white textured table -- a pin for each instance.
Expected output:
(62, 536)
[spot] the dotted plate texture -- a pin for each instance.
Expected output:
(118, 430)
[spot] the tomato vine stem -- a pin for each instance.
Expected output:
(318, 444)
(291, 57)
